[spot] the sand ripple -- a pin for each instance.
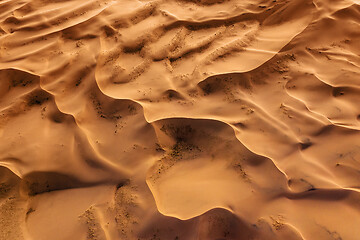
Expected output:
(179, 119)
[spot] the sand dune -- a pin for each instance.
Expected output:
(179, 119)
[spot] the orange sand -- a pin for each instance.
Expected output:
(179, 119)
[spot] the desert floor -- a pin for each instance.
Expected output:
(180, 119)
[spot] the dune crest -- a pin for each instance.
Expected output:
(179, 119)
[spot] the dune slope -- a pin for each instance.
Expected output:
(179, 119)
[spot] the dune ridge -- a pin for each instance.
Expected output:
(179, 119)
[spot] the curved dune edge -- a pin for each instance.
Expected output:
(179, 119)
(186, 200)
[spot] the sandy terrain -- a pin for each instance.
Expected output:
(180, 119)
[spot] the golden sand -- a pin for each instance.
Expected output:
(180, 119)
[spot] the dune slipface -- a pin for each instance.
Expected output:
(180, 119)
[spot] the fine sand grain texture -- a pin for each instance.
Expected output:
(180, 120)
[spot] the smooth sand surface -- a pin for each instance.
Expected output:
(180, 119)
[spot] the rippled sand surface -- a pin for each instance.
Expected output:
(180, 119)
